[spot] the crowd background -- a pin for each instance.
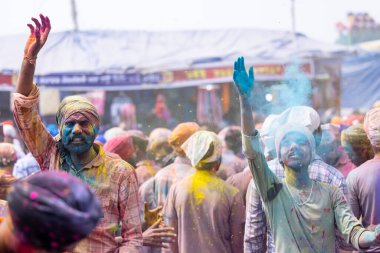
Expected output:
(169, 183)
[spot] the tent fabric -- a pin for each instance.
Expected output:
(107, 51)
(361, 81)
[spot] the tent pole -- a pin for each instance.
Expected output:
(74, 15)
(293, 19)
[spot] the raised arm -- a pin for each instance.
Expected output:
(244, 84)
(266, 182)
(25, 99)
(37, 38)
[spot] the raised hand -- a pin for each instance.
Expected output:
(151, 216)
(156, 236)
(244, 82)
(37, 38)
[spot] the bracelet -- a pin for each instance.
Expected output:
(31, 60)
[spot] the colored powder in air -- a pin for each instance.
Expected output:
(295, 89)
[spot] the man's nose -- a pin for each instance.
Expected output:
(77, 128)
(293, 145)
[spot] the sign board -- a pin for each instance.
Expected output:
(165, 79)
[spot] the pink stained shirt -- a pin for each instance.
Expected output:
(113, 180)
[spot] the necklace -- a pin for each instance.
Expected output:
(307, 200)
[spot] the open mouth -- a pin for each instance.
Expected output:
(77, 140)
(295, 156)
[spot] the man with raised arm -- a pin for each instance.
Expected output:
(74, 151)
(302, 213)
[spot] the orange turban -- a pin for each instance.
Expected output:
(180, 134)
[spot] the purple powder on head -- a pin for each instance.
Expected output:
(33, 195)
(48, 208)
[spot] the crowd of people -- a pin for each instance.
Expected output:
(289, 184)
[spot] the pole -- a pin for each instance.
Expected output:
(293, 18)
(74, 15)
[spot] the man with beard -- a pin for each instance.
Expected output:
(363, 182)
(73, 150)
(302, 212)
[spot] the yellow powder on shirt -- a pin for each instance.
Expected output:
(202, 180)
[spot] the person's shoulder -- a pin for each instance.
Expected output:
(370, 167)
(327, 188)
(165, 171)
(322, 167)
(238, 177)
(116, 163)
(228, 187)
(324, 185)
(372, 164)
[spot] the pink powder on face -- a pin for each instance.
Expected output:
(33, 195)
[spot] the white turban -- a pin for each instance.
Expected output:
(197, 146)
(300, 115)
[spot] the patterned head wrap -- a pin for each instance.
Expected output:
(289, 128)
(74, 104)
(197, 146)
(355, 136)
(52, 210)
(372, 126)
(180, 134)
(8, 154)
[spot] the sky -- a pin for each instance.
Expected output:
(315, 18)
